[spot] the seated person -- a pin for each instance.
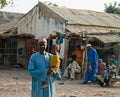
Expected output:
(114, 61)
(112, 68)
(108, 74)
(72, 68)
(101, 67)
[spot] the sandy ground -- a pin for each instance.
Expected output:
(17, 83)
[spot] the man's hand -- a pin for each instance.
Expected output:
(89, 68)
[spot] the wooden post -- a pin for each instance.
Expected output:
(25, 51)
(118, 65)
(66, 52)
(85, 59)
(49, 38)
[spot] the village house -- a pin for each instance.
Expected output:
(8, 39)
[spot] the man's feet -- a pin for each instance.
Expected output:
(84, 83)
(44, 84)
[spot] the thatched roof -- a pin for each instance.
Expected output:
(7, 35)
(25, 35)
(7, 26)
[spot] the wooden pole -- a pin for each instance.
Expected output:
(49, 44)
(85, 59)
(66, 52)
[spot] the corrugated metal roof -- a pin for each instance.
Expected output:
(50, 13)
(87, 17)
(90, 29)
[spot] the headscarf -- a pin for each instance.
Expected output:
(42, 39)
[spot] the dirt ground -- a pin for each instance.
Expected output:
(17, 83)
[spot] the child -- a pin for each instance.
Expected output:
(54, 63)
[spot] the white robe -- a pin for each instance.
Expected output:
(74, 68)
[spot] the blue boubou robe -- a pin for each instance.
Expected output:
(38, 66)
(93, 61)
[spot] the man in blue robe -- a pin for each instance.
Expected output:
(38, 68)
(92, 65)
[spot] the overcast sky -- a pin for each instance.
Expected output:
(23, 6)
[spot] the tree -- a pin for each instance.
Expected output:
(115, 8)
(50, 3)
(3, 3)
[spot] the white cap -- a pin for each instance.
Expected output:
(88, 45)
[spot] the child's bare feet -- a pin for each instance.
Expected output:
(44, 84)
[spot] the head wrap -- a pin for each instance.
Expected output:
(89, 45)
(42, 39)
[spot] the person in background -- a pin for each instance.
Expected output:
(112, 68)
(101, 71)
(101, 67)
(38, 67)
(92, 64)
(114, 61)
(54, 64)
(78, 53)
(105, 79)
(72, 68)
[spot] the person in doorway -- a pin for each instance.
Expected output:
(78, 53)
(54, 65)
(38, 67)
(72, 68)
(92, 64)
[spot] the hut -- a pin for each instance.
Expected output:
(78, 27)
(8, 39)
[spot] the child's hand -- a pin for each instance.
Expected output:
(50, 72)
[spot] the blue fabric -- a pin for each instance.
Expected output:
(20, 51)
(93, 61)
(61, 38)
(58, 76)
(38, 66)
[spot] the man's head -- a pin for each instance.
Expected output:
(89, 46)
(42, 42)
(113, 56)
(100, 60)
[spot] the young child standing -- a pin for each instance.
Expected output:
(54, 63)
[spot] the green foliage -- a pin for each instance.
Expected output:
(115, 8)
(50, 3)
(3, 3)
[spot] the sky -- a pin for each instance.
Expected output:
(23, 6)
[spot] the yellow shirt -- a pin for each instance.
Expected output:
(55, 62)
